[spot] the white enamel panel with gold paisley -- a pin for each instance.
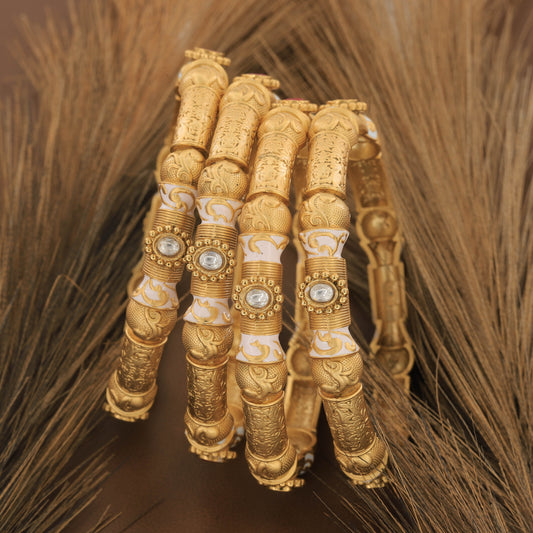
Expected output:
(204, 310)
(178, 198)
(260, 349)
(218, 210)
(332, 343)
(156, 294)
(324, 242)
(263, 247)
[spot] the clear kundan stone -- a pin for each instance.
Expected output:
(168, 246)
(321, 292)
(210, 260)
(257, 298)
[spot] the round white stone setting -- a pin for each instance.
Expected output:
(168, 246)
(210, 260)
(321, 293)
(257, 298)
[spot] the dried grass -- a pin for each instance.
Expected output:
(78, 142)
(450, 90)
(451, 95)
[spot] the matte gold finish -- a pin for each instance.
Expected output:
(336, 363)
(265, 222)
(237, 378)
(381, 238)
(209, 423)
(132, 387)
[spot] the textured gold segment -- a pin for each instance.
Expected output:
(333, 265)
(368, 181)
(204, 53)
(339, 318)
(138, 364)
(280, 136)
(338, 376)
(267, 437)
(357, 436)
(201, 85)
(150, 326)
(206, 385)
(265, 214)
(224, 179)
(163, 273)
(241, 109)
(333, 132)
(324, 210)
(208, 423)
(182, 167)
(258, 381)
(207, 344)
(276, 473)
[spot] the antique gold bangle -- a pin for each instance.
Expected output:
(152, 308)
(336, 363)
(381, 238)
(265, 223)
(208, 333)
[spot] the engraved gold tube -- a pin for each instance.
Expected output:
(265, 223)
(152, 308)
(211, 259)
(335, 360)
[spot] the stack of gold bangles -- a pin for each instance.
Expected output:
(232, 154)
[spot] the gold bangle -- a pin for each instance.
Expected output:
(201, 84)
(211, 261)
(335, 128)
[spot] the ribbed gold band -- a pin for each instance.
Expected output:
(221, 288)
(267, 326)
(270, 271)
(333, 265)
(225, 234)
(165, 217)
(162, 272)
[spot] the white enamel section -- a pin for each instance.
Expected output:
(204, 310)
(218, 210)
(156, 294)
(177, 198)
(260, 349)
(372, 132)
(262, 247)
(332, 343)
(323, 242)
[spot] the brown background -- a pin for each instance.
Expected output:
(155, 485)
